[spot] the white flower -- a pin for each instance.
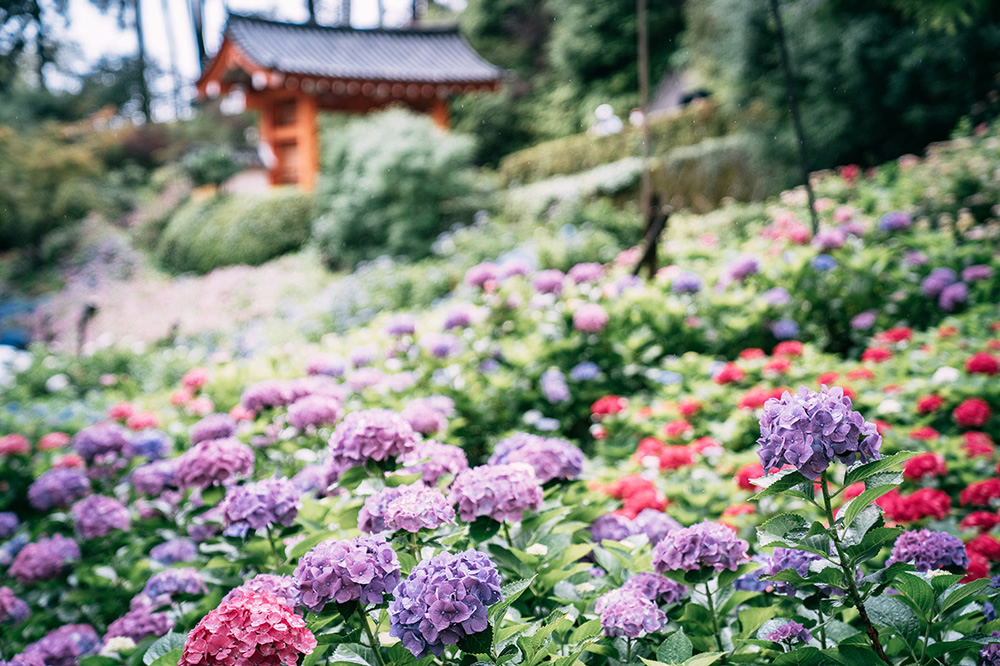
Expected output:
(584, 588)
(945, 375)
(116, 645)
(889, 407)
(538, 549)
(56, 383)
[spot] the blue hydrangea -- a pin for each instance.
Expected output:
(928, 551)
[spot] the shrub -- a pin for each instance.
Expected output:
(238, 229)
(390, 184)
(211, 165)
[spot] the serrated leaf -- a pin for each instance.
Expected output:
(873, 542)
(511, 591)
(170, 641)
(778, 482)
(171, 658)
(479, 643)
(585, 631)
(727, 576)
(348, 656)
(752, 619)
(860, 472)
(870, 517)
(803, 656)
(861, 502)
(785, 527)
(704, 659)
(482, 528)
(675, 649)
(942, 582)
(961, 593)
(916, 590)
(894, 614)
(951, 647)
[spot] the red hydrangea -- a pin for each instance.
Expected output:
(675, 457)
(924, 433)
(255, 628)
(754, 398)
(747, 473)
(827, 378)
(141, 421)
(689, 407)
(977, 444)
(729, 374)
(897, 334)
(924, 503)
(947, 332)
(853, 490)
(121, 411)
(860, 373)
(986, 546)
(924, 466)
(979, 567)
(195, 378)
(649, 447)
(788, 348)
(637, 493)
(929, 403)
(981, 493)
(982, 521)
(14, 445)
(53, 440)
(777, 366)
(609, 404)
(972, 413)
(701, 444)
(876, 354)
(752, 353)
(982, 363)
(882, 426)
(676, 429)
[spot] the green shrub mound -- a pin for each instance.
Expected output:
(234, 229)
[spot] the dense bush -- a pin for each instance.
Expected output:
(234, 229)
(210, 165)
(390, 184)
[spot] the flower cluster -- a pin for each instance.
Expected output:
(432, 460)
(12, 609)
(790, 633)
(254, 628)
(64, 646)
(151, 444)
(362, 569)
(809, 430)
(265, 394)
(213, 426)
(656, 588)
(98, 515)
(101, 439)
(502, 492)
(174, 551)
(443, 600)
(314, 410)
(787, 558)
(371, 518)
(58, 488)
(184, 580)
(44, 559)
(550, 457)
(140, 623)
(700, 547)
(283, 588)
(262, 504)
(928, 550)
(155, 477)
(213, 461)
(625, 613)
(417, 507)
(372, 434)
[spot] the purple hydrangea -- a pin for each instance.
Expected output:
(363, 569)
(934, 284)
(613, 527)
(265, 394)
(786, 329)
(151, 444)
(914, 258)
(864, 321)
(439, 345)
(743, 268)
(363, 355)
(363, 378)
(625, 613)
(686, 282)
(548, 282)
(550, 457)
(8, 524)
(371, 434)
(44, 559)
(702, 546)
(423, 418)
(952, 296)
(262, 504)
(443, 600)
(654, 524)
(371, 518)
(99, 515)
(165, 584)
(990, 654)
(809, 430)
(11, 547)
(824, 262)
(459, 316)
(140, 623)
(586, 272)
(928, 551)
(213, 426)
(416, 507)
(314, 410)
(12, 609)
(977, 273)
(583, 372)
(312, 479)
(105, 439)
(896, 220)
(790, 633)
(64, 646)
(33, 659)
(656, 588)
(174, 551)
(554, 387)
(153, 478)
(787, 558)
(58, 488)
(480, 274)
(330, 366)
(212, 462)
(284, 588)
(400, 325)
(514, 266)
(829, 239)
(590, 318)
(401, 381)
(502, 492)
(432, 460)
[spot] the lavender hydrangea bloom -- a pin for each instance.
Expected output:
(613, 527)
(362, 569)
(787, 558)
(480, 274)
(459, 316)
(928, 551)
(22, 659)
(330, 366)
(44, 559)
(789, 633)
(12, 609)
(151, 444)
(165, 584)
(140, 623)
(423, 418)
(312, 479)
(372, 434)
(585, 371)
(363, 378)
(371, 518)
(864, 321)
(702, 546)
(625, 613)
(443, 600)
(586, 272)
(551, 458)
(100, 440)
(502, 492)
(548, 282)
(829, 239)
(786, 329)
(654, 524)
(262, 504)
(152, 479)
(265, 394)
(212, 462)
(513, 267)
(99, 515)
(11, 547)
(284, 588)
(363, 355)
(8, 524)
(213, 426)
(58, 488)
(554, 387)
(656, 588)
(590, 318)
(416, 507)
(934, 284)
(990, 654)
(824, 262)
(439, 345)
(977, 273)
(64, 646)
(809, 430)
(400, 325)
(743, 268)
(952, 296)
(686, 282)
(897, 220)
(174, 551)
(432, 460)
(314, 410)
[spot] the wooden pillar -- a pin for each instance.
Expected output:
(266, 123)
(439, 113)
(308, 141)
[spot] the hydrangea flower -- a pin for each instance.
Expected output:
(897, 220)
(44, 559)
(372, 434)
(183, 580)
(586, 272)
(864, 321)
(480, 274)
(140, 623)
(12, 609)
(554, 387)
(329, 366)
(502, 492)
(702, 546)
(371, 518)
(625, 613)
(151, 444)
(262, 504)
(432, 460)
(213, 426)
(786, 329)
(590, 318)
(927, 550)
(101, 439)
(459, 316)
(283, 588)
(938, 279)
(64, 646)
(443, 600)
(439, 345)
(611, 526)
(550, 457)
(809, 430)
(656, 588)
(400, 325)
(585, 371)
(777, 297)
(8, 524)
(174, 551)
(153, 478)
(977, 273)
(417, 507)
(213, 461)
(548, 281)
(654, 524)
(787, 558)
(98, 515)
(743, 268)
(363, 569)
(790, 633)
(424, 418)
(254, 628)
(952, 296)
(58, 488)
(686, 282)
(265, 394)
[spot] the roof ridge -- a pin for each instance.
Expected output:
(419, 30)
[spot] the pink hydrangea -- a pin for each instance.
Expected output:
(590, 318)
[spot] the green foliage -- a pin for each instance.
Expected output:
(234, 229)
(390, 184)
(211, 165)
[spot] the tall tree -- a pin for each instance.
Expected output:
(130, 14)
(23, 28)
(198, 22)
(311, 8)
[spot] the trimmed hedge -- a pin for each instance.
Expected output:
(697, 121)
(235, 229)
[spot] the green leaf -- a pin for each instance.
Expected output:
(961, 593)
(873, 543)
(785, 527)
(348, 656)
(483, 528)
(861, 502)
(942, 582)
(869, 518)
(675, 649)
(778, 482)
(511, 591)
(479, 643)
(952, 647)
(916, 590)
(860, 472)
(894, 614)
(803, 656)
(727, 576)
(212, 496)
(169, 659)
(162, 645)
(704, 659)
(352, 478)
(108, 661)
(752, 619)
(586, 631)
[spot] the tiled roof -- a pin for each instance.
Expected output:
(423, 55)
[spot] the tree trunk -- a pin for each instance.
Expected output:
(198, 20)
(311, 8)
(172, 46)
(143, 84)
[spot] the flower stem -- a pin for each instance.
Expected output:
(628, 650)
(506, 533)
(371, 637)
(822, 626)
(278, 560)
(715, 619)
(414, 547)
(849, 576)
